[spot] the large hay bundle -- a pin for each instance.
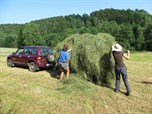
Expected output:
(91, 56)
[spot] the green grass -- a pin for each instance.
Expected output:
(24, 92)
(142, 57)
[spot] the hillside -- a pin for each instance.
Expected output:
(24, 92)
(132, 29)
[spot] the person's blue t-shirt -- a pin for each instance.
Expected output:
(64, 56)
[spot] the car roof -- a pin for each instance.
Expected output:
(37, 46)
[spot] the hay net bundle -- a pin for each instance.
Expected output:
(91, 56)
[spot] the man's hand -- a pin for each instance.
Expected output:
(69, 50)
(127, 55)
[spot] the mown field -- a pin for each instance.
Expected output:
(24, 92)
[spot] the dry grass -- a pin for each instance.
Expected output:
(24, 92)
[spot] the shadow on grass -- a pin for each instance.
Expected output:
(112, 88)
(108, 86)
(123, 92)
(144, 82)
(54, 72)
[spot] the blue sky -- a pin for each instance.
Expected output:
(24, 11)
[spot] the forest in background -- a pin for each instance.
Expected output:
(131, 28)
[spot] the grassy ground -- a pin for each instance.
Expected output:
(24, 92)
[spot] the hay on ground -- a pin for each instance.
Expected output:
(91, 56)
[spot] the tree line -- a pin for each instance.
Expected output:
(131, 28)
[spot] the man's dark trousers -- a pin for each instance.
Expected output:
(123, 72)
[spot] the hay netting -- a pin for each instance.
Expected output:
(91, 56)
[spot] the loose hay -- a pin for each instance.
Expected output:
(91, 56)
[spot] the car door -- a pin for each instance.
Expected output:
(16, 58)
(26, 56)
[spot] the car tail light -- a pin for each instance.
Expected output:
(39, 58)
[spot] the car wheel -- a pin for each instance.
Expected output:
(50, 58)
(10, 63)
(32, 67)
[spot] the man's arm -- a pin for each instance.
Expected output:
(127, 56)
(69, 50)
(67, 58)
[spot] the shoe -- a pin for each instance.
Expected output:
(127, 93)
(117, 91)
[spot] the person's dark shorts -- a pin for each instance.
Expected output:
(64, 66)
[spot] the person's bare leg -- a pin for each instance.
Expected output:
(67, 73)
(61, 75)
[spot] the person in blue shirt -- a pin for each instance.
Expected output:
(63, 61)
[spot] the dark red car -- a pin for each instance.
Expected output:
(34, 57)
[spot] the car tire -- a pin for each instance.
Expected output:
(50, 57)
(10, 63)
(32, 67)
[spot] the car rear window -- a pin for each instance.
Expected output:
(46, 51)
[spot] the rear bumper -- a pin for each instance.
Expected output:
(46, 64)
(50, 65)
